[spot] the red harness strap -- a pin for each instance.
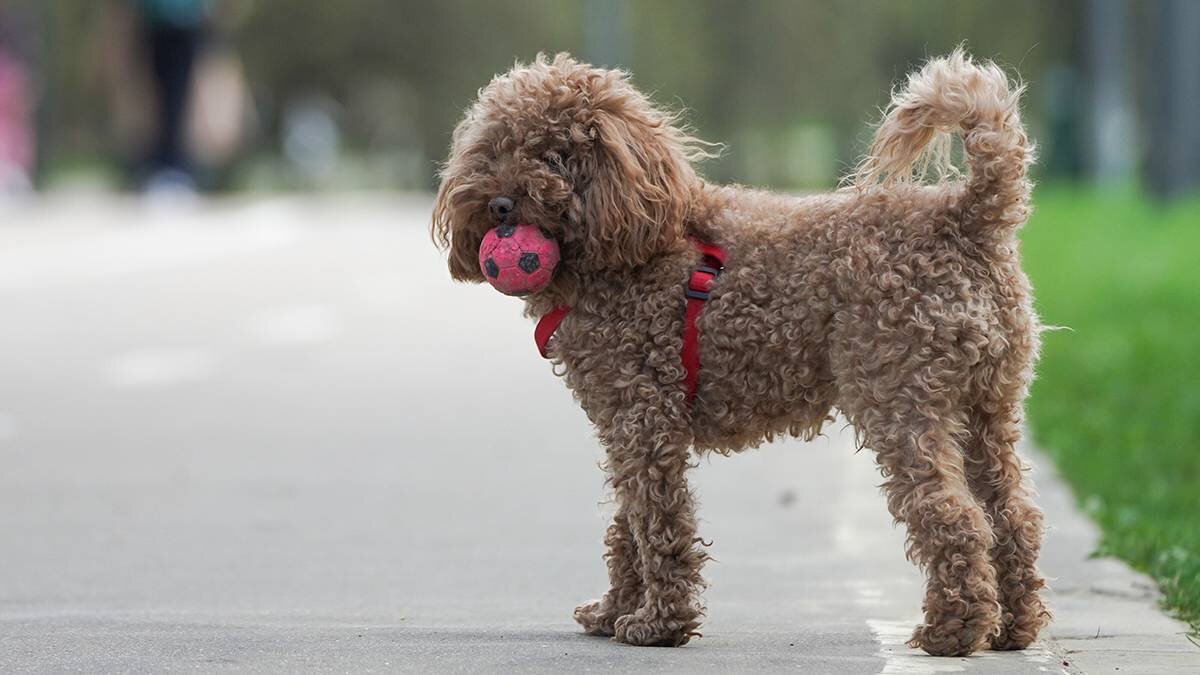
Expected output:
(711, 263)
(697, 293)
(546, 327)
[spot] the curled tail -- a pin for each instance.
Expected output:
(952, 94)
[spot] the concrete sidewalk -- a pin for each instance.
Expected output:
(1107, 617)
(272, 436)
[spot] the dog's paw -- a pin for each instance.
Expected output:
(634, 630)
(1020, 625)
(1013, 637)
(1007, 641)
(952, 638)
(596, 617)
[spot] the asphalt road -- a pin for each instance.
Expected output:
(271, 435)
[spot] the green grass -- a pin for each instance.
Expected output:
(1117, 398)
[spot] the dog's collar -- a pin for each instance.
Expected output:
(697, 292)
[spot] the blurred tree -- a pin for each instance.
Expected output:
(1111, 143)
(1173, 163)
(771, 78)
(437, 53)
(605, 32)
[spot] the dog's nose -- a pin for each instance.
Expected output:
(500, 208)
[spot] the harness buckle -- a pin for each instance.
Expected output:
(700, 281)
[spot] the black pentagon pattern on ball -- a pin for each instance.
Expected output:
(505, 231)
(492, 269)
(529, 262)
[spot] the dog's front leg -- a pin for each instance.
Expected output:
(649, 458)
(624, 575)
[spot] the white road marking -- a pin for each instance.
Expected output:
(901, 660)
(149, 368)
(304, 324)
(1043, 658)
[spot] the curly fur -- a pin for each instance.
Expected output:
(903, 305)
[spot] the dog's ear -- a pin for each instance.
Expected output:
(450, 208)
(639, 190)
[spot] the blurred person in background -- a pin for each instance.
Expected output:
(177, 94)
(18, 137)
(171, 35)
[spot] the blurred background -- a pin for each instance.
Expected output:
(233, 371)
(300, 94)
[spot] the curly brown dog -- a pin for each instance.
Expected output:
(902, 305)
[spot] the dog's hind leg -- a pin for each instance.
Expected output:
(599, 616)
(996, 477)
(904, 411)
(948, 535)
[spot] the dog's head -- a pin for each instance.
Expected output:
(573, 149)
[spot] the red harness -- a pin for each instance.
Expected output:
(712, 262)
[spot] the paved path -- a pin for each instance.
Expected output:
(272, 436)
